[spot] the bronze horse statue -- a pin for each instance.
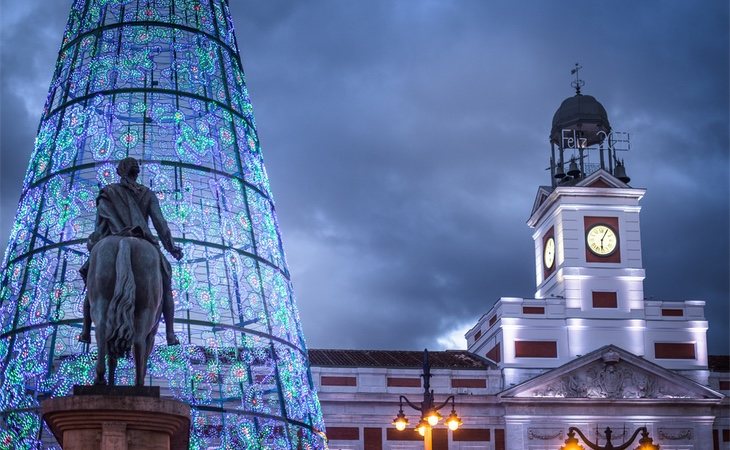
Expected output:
(124, 289)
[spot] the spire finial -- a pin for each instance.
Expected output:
(578, 83)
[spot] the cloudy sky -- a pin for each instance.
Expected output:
(405, 140)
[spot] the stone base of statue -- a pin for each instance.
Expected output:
(118, 418)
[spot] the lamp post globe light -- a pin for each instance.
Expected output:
(430, 416)
(645, 443)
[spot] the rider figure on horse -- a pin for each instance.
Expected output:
(123, 209)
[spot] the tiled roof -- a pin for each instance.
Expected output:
(449, 359)
(719, 363)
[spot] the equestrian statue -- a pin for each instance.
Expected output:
(128, 279)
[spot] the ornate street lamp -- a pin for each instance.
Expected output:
(430, 416)
(645, 443)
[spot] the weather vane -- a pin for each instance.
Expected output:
(578, 83)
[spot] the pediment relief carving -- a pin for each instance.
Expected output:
(611, 378)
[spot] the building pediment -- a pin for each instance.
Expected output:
(602, 179)
(598, 179)
(543, 192)
(610, 373)
(599, 184)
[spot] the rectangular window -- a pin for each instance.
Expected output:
(343, 433)
(468, 383)
(338, 381)
(715, 439)
(440, 439)
(536, 349)
(373, 438)
(725, 385)
(477, 335)
(472, 435)
(533, 310)
(404, 382)
(408, 434)
(605, 300)
(672, 312)
(499, 439)
(667, 350)
(492, 320)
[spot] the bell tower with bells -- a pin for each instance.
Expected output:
(586, 222)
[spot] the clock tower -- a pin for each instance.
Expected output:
(589, 271)
(586, 223)
(586, 227)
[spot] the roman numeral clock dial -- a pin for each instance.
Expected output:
(601, 240)
(549, 253)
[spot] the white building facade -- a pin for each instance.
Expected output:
(589, 350)
(359, 391)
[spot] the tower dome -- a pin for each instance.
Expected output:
(585, 115)
(581, 129)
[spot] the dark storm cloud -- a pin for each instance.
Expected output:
(405, 142)
(30, 35)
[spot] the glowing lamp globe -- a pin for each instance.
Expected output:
(453, 421)
(422, 426)
(433, 418)
(572, 444)
(400, 422)
(646, 443)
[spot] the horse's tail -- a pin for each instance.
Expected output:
(120, 316)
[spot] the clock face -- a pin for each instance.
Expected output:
(548, 254)
(601, 240)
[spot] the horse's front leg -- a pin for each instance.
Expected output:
(140, 362)
(112, 369)
(101, 355)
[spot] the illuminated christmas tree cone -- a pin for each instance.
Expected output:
(160, 81)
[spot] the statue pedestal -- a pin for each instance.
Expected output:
(117, 418)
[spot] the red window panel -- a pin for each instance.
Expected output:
(725, 385)
(670, 350)
(404, 382)
(440, 438)
(408, 434)
(477, 335)
(605, 300)
(492, 320)
(715, 439)
(343, 433)
(533, 310)
(472, 435)
(338, 381)
(468, 383)
(536, 349)
(499, 439)
(668, 312)
(373, 438)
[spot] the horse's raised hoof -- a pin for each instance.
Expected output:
(172, 340)
(85, 337)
